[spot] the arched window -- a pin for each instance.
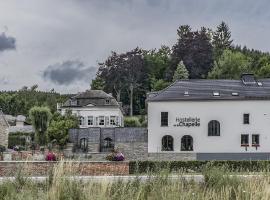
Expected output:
(186, 143)
(214, 128)
(167, 143)
(84, 144)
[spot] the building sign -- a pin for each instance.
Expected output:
(187, 121)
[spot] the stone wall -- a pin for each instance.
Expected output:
(80, 168)
(3, 130)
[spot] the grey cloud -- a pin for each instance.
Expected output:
(7, 42)
(4, 80)
(68, 72)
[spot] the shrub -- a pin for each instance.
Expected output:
(18, 139)
(132, 122)
(197, 166)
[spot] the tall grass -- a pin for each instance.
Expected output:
(219, 184)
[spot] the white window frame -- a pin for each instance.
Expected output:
(91, 120)
(99, 120)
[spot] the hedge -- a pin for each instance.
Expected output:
(17, 139)
(197, 166)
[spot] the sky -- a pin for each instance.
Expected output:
(59, 43)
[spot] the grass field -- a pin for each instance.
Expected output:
(219, 184)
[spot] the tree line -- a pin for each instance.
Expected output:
(197, 54)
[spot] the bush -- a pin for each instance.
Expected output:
(18, 139)
(132, 122)
(197, 166)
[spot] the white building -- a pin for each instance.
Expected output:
(94, 108)
(214, 119)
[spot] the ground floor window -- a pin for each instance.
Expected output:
(113, 120)
(167, 143)
(255, 140)
(81, 120)
(244, 140)
(90, 120)
(83, 144)
(187, 143)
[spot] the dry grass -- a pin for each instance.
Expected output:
(219, 185)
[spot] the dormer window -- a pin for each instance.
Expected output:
(107, 101)
(186, 93)
(235, 94)
(73, 102)
(216, 94)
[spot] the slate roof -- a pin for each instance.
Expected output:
(94, 97)
(204, 89)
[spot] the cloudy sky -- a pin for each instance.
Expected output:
(58, 43)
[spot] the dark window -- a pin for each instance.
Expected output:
(244, 140)
(255, 140)
(81, 121)
(214, 128)
(187, 143)
(90, 120)
(167, 143)
(84, 144)
(107, 101)
(164, 118)
(246, 118)
(108, 145)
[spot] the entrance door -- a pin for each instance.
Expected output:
(187, 143)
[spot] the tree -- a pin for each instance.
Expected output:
(59, 126)
(264, 72)
(231, 65)
(195, 50)
(135, 73)
(221, 39)
(181, 72)
(98, 84)
(40, 118)
(158, 85)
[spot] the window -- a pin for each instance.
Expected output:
(164, 118)
(108, 142)
(167, 143)
(101, 121)
(107, 101)
(255, 140)
(81, 120)
(214, 128)
(84, 144)
(74, 102)
(113, 120)
(187, 143)
(90, 121)
(246, 118)
(244, 140)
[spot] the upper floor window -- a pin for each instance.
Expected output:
(101, 121)
(244, 140)
(164, 118)
(73, 102)
(246, 118)
(255, 140)
(167, 143)
(113, 120)
(81, 120)
(90, 121)
(214, 128)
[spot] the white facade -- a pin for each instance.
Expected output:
(229, 113)
(93, 116)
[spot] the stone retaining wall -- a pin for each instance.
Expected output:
(80, 168)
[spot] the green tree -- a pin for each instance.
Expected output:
(221, 39)
(40, 118)
(181, 72)
(98, 84)
(59, 126)
(195, 50)
(230, 66)
(264, 72)
(158, 85)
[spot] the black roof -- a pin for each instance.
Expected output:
(94, 97)
(208, 89)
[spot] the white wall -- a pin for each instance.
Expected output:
(96, 112)
(228, 113)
